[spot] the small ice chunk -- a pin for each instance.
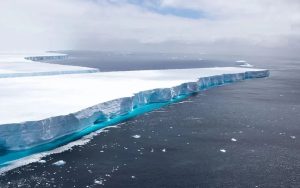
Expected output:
(59, 163)
(136, 136)
(293, 137)
(233, 139)
(133, 177)
(164, 150)
(99, 182)
(41, 161)
(223, 150)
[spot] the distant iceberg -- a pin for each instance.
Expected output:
(243, 63)
(18, 65)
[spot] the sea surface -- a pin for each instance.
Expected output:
(245, 134)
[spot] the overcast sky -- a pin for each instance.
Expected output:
(175, 25)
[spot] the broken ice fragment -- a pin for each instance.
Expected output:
(136, 136)
(223, 150)
(59, 163)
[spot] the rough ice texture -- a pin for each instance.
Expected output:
(36, 110)
(21, 65)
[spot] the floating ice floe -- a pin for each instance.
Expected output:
(99, 182)
(59, 163)
(233, 139)
(136, 136)
(223, 150)
(41, 161)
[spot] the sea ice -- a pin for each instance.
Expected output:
(233, 139)
(136, 136)
(59, 163)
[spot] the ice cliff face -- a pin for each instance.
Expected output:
(19, 136)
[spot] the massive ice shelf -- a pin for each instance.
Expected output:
(36, 110)
(21, 65)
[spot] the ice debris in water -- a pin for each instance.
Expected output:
(136, 136)
(41, 161)
(233, 139)
(223, 150)
(164, 150)
(99, 182)
(59, 163)
(293, 137)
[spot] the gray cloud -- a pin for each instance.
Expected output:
(91, 24)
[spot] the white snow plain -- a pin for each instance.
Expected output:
(36, 98)
(39, 109)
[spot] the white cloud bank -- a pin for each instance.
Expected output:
(119, 25)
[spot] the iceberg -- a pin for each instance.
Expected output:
(243, 63)
(21, 65)
(47, 105)
(37, 110)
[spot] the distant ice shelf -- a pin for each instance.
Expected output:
(24, 65)
(38, 110)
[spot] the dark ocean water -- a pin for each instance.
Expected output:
(109, 61)
(257, 123)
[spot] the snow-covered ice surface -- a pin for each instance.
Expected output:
(20, 65)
